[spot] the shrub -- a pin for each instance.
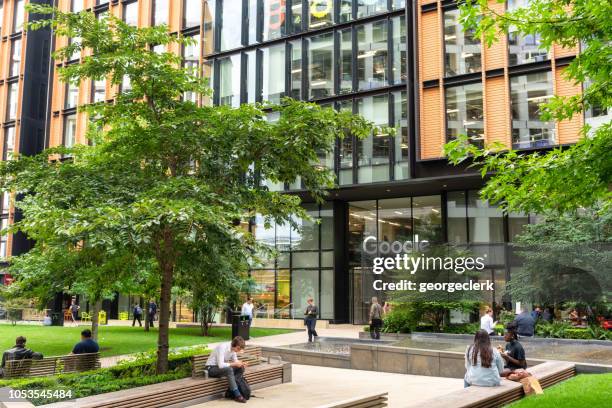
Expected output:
(554, 330)
(465, 328)
(402, 319)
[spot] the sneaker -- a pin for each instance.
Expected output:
(240, 399)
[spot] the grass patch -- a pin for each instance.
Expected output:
(584, 390)
(113, 340)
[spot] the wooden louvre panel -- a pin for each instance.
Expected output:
(430, 45)
(497, 111)
(495, 55)
(432, 120)
(569, 130)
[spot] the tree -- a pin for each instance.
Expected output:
(562, 179)
(171, 180)
(565, 258)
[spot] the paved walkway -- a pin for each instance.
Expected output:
(313, 386)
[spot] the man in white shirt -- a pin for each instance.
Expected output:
(486, 322)
(223, 362)
(247, 309)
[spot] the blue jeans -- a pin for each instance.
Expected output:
(311, 324)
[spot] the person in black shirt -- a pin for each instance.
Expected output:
(18, 352)
(310, 319)
(514, 353)
(86, 345)
(151, 312)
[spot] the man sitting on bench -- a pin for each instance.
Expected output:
(223, 362)
(19, 352)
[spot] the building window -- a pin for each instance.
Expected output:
(346, 10)
(70, 130)
(369, 7)
(72, 95)
(251, 77)
(427, 218)
(130, 13)
(456, 218)
(160, 12)
(11, 111)
(400, 51)
(296, 24)
(527, 93)
(76, 55)
(3, 238)
(76, 6)
(252, 32)
(400, 117)
(485, 221)
(126, 84)
(15, 57)
(321, 13)
(229, 80)
(345, 176)
(100, 2)
(9, 143)
(372, 54)
(273, 19)
(6, 203)
(524, 49)
(374, 151)
(462, 50)
(99, 90)
(464, 112)
(346, 60)
(192, 13)
(231, 25)
(18, 15)
(191, 54)
(321, 65)
(296, 69)
(273, 72)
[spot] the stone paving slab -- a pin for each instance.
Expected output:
(313, 386)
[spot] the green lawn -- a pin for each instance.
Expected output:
(113, 340)
(585, 390)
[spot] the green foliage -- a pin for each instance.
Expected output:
(560, 180)
(417, 316)
(505, 317)
(555, 330)
(466, 328)
(124, 375)
(164, 190)
(401, 319)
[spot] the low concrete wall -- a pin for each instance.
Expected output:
(298, 356)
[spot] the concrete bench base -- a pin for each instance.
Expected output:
(549, 373)
(368, 401)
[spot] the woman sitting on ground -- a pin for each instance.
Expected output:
(483, 364)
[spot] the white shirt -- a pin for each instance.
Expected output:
(221, 355)
(487, 324)
(247, 309)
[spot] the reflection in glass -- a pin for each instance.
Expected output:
(456, 217)
(400, 51)
(485, 221)
(346, 10)
(373, 152)
(70, 130)
(229, 80)
(273, 19)
(427, 218)
(321, 13)
(304, 284)
(326, 306)
(231, 24)
(99, 90)
(273, 85)
(395, 220)
(263, 293)
(18, 15)
(209, 27)
(7, 154)
(464, 112)
(72, 95)
(11, 111)
(160, 12)
(346, 150)
(192, 13)
(296, 68)
(346, 61)
(527, 93)
(369, 7)
(400, 115)
(524, 48)
(462, 51)
(321, 65)
(297, 19)
(372, 55)
(15, 57)
(251, 67)
(130, 13)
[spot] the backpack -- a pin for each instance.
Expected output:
(243, 387)
(138, 310)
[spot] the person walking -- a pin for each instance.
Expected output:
(247, 309)
(223, 362)
(486, 322)
(310, 319)
(376, 322)
(152, 311)
(483, 364)
(137, 311)
(74, 311)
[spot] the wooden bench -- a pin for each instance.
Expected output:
(368, 401)
(51, 365)
(251, 354)
(187, 391)
(548, 373)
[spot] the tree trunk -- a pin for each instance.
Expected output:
(97, 305)
(164, 317)
(145, 309)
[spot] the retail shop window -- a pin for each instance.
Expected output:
(528, 93)
(464, 112)
(462, 49)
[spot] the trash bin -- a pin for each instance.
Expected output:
(57, 319)
(102, 317)
(240, 325)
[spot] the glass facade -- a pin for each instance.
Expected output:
(528, 92)
(70, 122)
(464, 112)
(15, 57)
(18, 15)
(462, 50)
(524, 49)
(130, 13)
